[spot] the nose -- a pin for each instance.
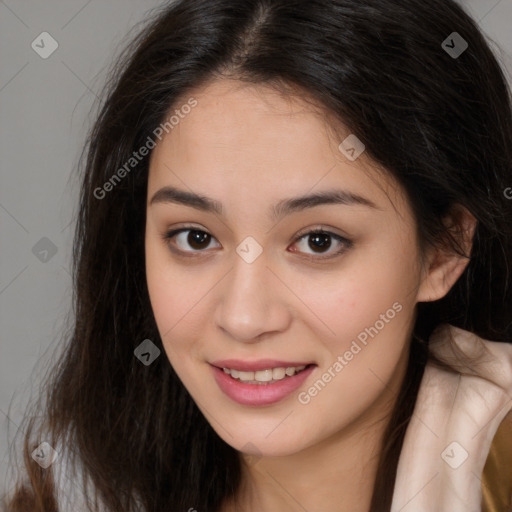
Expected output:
(252, 302)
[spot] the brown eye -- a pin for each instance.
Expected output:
(189, 240)
(320, 241)
(198, 239)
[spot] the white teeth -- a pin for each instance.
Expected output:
(268, 375)
(263, 375)
(278, 373)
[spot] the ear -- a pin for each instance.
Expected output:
(443, 265)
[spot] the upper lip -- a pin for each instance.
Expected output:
(253, 366)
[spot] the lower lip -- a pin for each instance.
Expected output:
(259, 394)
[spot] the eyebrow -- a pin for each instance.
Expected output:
(280, 209)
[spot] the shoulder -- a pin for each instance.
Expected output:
(68, 481)
(49, 477)
(72, 493)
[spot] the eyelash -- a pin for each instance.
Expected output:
(346, 244)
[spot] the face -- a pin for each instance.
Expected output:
(247, 286)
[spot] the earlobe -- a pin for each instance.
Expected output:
(443, 265)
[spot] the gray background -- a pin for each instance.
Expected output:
(45, 107)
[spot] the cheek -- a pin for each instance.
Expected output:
(365, 314)
(178, 303)
(370, 289)
(370, 321)
(175, 314)
(176, 319)
(168, 306)
(163, 300)
(170, 287)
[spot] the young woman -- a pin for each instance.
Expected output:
(292, 269)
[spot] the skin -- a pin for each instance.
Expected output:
(248, 147)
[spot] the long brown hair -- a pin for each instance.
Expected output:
(440, 124)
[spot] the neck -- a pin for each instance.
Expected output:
(337, 474)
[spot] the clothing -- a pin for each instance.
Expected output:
(497, 478)
(454, 422)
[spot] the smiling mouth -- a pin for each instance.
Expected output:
(266, 376)
(252, 383)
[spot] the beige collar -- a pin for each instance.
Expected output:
(455, 419)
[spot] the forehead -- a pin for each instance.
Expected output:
(256, 142)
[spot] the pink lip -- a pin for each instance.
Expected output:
(253, 366)
(259, 394)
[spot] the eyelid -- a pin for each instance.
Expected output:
(322, 228)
